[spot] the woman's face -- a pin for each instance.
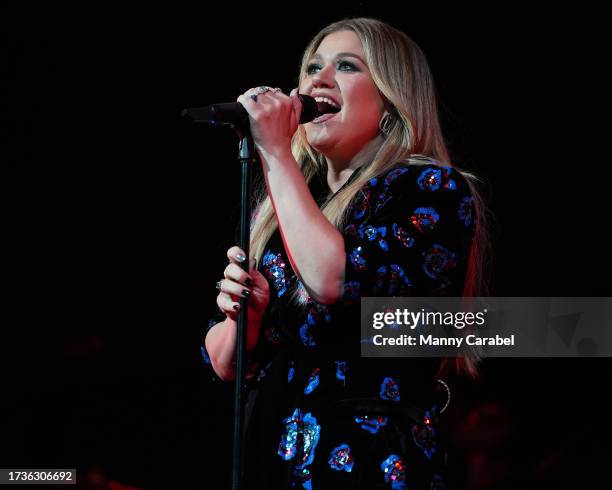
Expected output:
(338, 71)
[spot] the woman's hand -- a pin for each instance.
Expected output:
(274, 118)
(237, 283)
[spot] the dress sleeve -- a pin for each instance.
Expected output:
(409, 233)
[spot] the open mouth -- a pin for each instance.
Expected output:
(326, 109)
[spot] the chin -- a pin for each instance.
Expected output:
(320, 142)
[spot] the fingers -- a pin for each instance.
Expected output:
(260, 95)
(235, 273)
(227, 304)
(234, 289)
(236, 255)
(237, 282)
(297, 103)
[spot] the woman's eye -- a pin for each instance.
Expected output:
(342, 66)
(350, 66)
(312, 68)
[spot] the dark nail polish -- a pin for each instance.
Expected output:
(246, 292)
(236, 307)
(240, 257)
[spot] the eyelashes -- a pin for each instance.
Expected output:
(313, 66)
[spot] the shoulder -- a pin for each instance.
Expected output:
(413, 178)
(408, 186)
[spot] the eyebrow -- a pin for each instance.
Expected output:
(339, 55)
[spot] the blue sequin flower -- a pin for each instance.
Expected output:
(398, 281)
(287, 448)
(438, 259)
(317, 313)
(372, 233)
(361, 203)
(424, 436)
(371, 423)
(341, 369)
(466, 210)
(424, 219)
(389, 390)
(432, 179)
(359, 263)
(275, 268)
(341, 458)
(307, 335)
(394, 472)
(402, 235)
(301, 292)
(313, 382)
(301, 434)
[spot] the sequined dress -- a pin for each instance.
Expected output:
(322, 417)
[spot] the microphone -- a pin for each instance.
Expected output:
(234, 113)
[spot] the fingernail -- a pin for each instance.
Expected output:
(246, 292)
(249, 281)
(240, 258)
(236, 307)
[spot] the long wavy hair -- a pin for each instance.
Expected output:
(402, 75)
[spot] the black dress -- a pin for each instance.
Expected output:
(322, 417)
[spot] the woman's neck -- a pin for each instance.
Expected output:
(338, 172)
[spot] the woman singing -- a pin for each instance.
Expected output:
(362, 201)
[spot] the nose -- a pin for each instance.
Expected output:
(323, 78)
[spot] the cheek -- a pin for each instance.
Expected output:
(365, 99)
(304, 87)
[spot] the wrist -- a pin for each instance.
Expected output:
(276, 155)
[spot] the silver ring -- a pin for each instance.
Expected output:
(218, 285)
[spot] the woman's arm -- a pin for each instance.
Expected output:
(220, 343)
(314, 246)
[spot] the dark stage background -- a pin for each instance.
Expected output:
(117, 217)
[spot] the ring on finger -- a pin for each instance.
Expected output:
(219, 284)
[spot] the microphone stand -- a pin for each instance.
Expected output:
(246, 156)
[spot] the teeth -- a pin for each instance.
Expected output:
(328, 101)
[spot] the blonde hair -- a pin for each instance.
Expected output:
(401, 73)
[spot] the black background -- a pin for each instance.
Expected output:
(117, 216)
